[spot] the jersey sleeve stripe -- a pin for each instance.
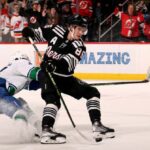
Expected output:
(60, 31)
(29, 73)
(59, 34)
(61, 28)
(10, 84)
(11, 89)
(39, 37)
(71, 60)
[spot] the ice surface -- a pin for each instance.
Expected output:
(126, 108)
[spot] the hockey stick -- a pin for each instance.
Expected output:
(58, 92)
(118, 83)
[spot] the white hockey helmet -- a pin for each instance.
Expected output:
(19, 55)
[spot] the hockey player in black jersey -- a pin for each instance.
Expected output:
(65, 49)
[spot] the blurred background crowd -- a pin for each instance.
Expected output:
(108, 20)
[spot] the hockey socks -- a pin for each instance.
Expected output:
(49, 115)
(49, 136)
(93, 107)
(99, 130)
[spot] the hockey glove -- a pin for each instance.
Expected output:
(48, 65)
(27, 32)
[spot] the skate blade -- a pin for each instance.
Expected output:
(97, 140)
(97, 137)
(108, 135)
(48, 140)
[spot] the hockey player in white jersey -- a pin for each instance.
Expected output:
(17, 75)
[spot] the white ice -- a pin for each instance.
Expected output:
(126, 108)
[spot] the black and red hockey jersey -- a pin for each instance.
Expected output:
(62, 52)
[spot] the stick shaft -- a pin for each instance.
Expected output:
(118, 83)
(54, 83)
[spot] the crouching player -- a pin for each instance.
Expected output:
(17, 75)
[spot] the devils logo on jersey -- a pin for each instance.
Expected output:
(17, 24)
(83, 4)
(33, 20)
(130, 23)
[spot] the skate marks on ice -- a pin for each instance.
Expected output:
(126, 134)
(125, 108)
(74, 141)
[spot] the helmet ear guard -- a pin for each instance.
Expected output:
(85, 33)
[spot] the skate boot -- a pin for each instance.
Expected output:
(51, 137)
(100, 131)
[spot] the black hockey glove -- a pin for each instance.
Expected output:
(27, 32)
(48, 65)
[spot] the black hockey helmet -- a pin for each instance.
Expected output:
(78, 20)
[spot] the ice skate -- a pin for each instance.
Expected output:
(100, 131)
(51, 137)
(37, 131)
